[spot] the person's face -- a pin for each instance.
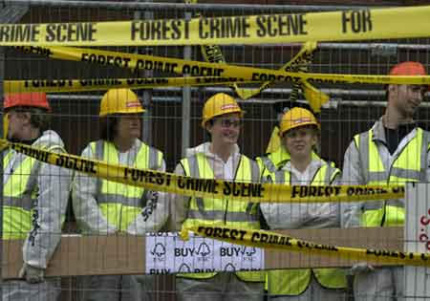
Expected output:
(406, 98)
(129, 126)
(300, 141)
(225, 129)
(18, 121)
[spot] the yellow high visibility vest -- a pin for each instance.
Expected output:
(119, 203)
(272, 162)
(20, 193)
(410, 166)
(212, 212)
(295, 282)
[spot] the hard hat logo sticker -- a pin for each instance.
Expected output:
(228, 107)
(132, 104)
(302, 120)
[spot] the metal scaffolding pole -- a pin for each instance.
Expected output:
(147, 94)
(186, 103)
(333, 104)
(390, 47)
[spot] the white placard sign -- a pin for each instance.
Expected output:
(417, 239)
(167, 253)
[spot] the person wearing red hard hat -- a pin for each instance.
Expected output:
(394, 151)
(22, 102)
(34, 202)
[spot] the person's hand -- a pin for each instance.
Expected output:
(361, 267)
(31, 274)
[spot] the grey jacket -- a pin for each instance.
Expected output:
(354, 173)
(53, 185)
(88, 214)
(303, 215)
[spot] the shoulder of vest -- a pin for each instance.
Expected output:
(54, 147)
(336, 172)
(154, 149)
(359, 136)
(93, 144)
(251, 162)
(51, 147)
(246, 157)
(185, 162)
(427, 134)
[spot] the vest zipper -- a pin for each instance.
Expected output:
(384, 215)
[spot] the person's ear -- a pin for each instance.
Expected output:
(209, 127)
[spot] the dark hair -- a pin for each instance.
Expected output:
(39, 118)
(207, 135)
(386, 92)
(108, 127)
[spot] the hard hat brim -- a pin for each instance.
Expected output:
(282, 132)
(128, 111)
(240, 112)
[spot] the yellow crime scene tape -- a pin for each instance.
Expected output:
(225, 73)
(272, 240)
(213, 54)
(316, 98)
(103, 84)
(208, 188)
(348, 25)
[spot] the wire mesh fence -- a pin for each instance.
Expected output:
(171, 123)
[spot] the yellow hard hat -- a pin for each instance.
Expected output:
(219, 104)
(120, 101)
(297, 117)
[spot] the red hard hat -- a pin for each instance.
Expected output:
(408, 68)
(32, 99)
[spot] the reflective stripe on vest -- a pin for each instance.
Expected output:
(276, 160)
(222, 212)
(120, 203)
(272, 162)
(295, 281)
(19, 193)
(406, 168)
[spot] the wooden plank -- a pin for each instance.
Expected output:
(110, 255)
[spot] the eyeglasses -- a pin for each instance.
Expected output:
(226, 123)
(301, 132)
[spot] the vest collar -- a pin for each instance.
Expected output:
(378, 131)
(315, 163)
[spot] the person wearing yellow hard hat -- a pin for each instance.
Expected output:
(218, 159)
(299, 132)
(104, 207)
(34, 198)
(393, 152)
